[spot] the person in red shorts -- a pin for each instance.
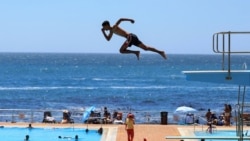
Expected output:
(129, 126)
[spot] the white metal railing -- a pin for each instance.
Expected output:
(37, 115)
(222, 45)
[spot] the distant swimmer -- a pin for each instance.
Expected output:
(132, 39)
(68, 138)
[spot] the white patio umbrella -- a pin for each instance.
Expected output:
(181, 115)
(185, 109)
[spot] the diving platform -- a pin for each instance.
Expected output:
(222, 45)
(238, 77)
(207, 137)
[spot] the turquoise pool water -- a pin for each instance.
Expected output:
(216, 133)
(48, 134)
(221, 133)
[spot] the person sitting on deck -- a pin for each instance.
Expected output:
(214, 119)
(107, 116)
(67, 117)
(47, 117)
(117, 116)
(221, 120)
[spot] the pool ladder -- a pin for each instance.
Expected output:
(222, 45)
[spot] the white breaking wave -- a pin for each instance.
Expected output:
(27, 88)
(117, 79)
(43, 88)
(144, 87)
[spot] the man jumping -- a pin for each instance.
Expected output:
(132, 39)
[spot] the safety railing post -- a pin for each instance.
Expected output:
(223, 52)
(31, 116)
(229, 57)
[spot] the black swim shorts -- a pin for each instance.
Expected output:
(132, 39)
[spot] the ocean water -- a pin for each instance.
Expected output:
(119, 82)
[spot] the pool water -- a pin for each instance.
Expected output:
(216, 133)
(221, 133)
(48, 134)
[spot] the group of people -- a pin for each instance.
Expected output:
(48, 118)
(223, 119)
(116, 117)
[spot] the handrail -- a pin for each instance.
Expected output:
(217, 48)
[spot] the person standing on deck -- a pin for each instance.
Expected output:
(129, 126)
(227, 115)
(208, 115)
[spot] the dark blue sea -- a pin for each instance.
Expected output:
(120, 82)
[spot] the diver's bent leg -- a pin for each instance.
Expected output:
(124, 50)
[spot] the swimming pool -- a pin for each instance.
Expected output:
(218, 133)
(48, 134)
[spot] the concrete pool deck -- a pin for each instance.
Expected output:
(115, 132)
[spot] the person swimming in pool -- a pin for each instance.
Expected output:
(27, 138)
(132, 39)
(68, 138)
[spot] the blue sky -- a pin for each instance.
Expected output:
(74, 26)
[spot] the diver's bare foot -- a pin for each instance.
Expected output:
(162, 53)
(138, 55)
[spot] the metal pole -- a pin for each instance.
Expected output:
(243, 104)
(223, 52)
(229, 57)
(239, 114)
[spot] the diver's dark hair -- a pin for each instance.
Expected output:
(105, 23)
